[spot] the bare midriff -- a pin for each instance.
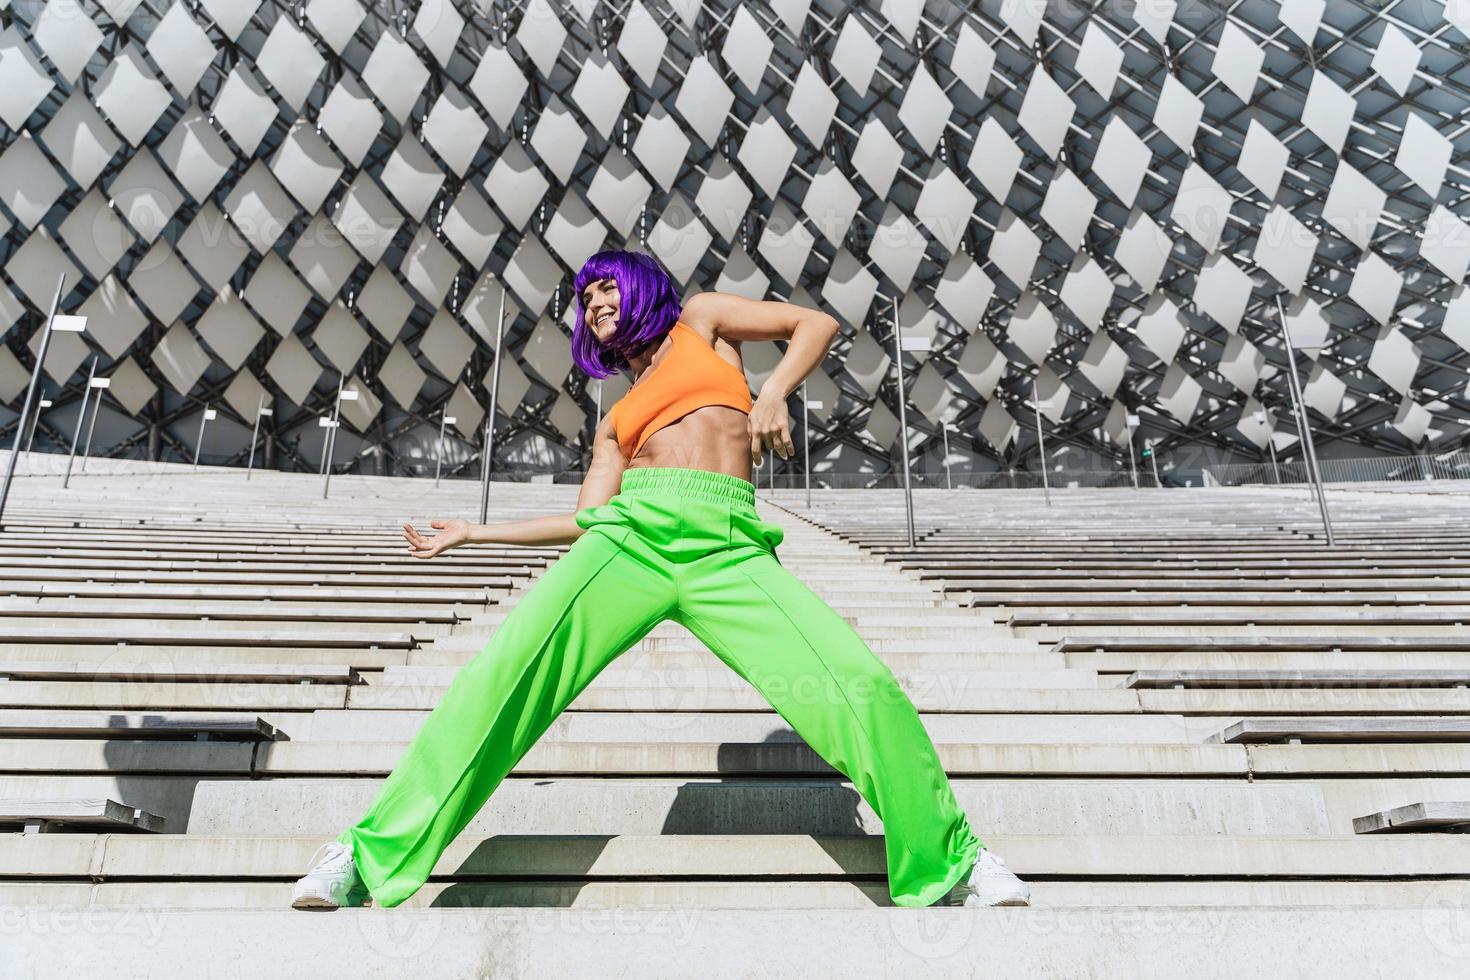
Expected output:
(715, 437)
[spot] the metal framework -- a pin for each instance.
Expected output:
(1099, 201)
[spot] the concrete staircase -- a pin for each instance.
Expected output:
(244, 662)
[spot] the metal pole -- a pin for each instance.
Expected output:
(1153, 457)
(25, 406)
(439, 450)
(91, 427)
(806, 446)
(1275, 469)
(199, 443)
(1041, 442)
(35, 424)
(489, 448)
(1132, 450)
(76, 434)
(331, 436)
(1306, 428)
(903, 423)
(254, 436)
(332, 429)
(944, 429)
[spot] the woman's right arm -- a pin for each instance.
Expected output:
(604, 478)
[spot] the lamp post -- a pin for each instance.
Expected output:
(1131, 421)
(207, 416)
(1305, 426)
(445, 420)
(72, 323)
(489, 448)
(255, 433)
(101, 384)
(76, 434)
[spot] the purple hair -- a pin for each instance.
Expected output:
(647, 309)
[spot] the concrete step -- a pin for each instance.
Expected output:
(913, 626)
(981, 654)
(578, 725)
(556, 758)
(160, 857)
(707, 669)
(687, 753)
(978, 645)
(1206, 678)
(849, 603)
(1365, 941)
(953, 692)
(165, 695)
(657, 805)
(982, 640)
(668, 691)
(742, 893)
(1278, 641)
(330, 635)
(166, 656)
(230, 614)
(940, 692)
(243, 673)
(1122, 662)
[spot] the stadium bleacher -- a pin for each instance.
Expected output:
(1177, 713)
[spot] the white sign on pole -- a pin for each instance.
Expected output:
(209, 414)
(914, 343)
(267, 411)
(100, 383)
(349, 394)
(813, 403)
(72, 324)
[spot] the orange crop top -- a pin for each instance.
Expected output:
(690, 376)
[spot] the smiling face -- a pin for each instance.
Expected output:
(600, 301)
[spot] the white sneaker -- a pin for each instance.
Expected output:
(333, 883)
(989, 882)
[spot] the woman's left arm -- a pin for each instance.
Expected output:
(809, 334)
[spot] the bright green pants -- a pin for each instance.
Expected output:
(686, 545)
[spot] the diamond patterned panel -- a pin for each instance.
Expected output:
(1112, 213)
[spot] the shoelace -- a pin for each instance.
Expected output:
(334, 859)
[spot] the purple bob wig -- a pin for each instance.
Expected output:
(647, 309)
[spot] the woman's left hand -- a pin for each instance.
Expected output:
(770, 428)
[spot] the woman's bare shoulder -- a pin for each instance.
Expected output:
(701, 314)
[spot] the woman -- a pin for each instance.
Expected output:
(666, 528)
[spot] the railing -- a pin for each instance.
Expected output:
(1369, 469)
(1373, 469)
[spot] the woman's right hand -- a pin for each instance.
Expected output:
(453, 531)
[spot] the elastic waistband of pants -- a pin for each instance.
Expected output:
(688, 483)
